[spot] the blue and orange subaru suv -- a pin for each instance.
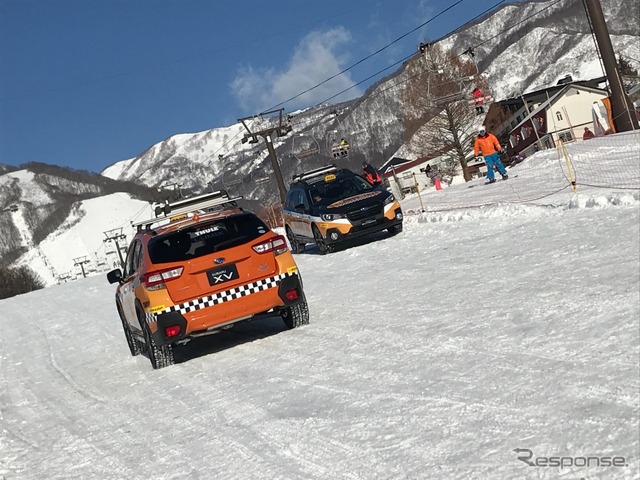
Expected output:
(202, 265)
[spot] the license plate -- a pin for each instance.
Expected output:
(222, 274)
(368, 222)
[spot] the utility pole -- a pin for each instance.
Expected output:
(281, 129)
(81, 261)
(622, 110)
(113, 236)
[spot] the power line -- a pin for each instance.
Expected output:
(368, 56)
(228, 142)
(463, 53)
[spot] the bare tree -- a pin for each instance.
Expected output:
(441, 121)
(18, 280)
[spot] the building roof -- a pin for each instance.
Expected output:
(551, 100)
(533, 95)
(387, 168)
(393, 162)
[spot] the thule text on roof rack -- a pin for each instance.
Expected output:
(188, 205)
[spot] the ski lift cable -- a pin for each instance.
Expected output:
(368, 78)
(256, 118)
(388, 67)
(400, 82)
(401, 60)
(383, 48)
(412, 54)
(368, 56)
(515, 24)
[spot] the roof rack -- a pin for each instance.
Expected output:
(314, 173)
(188, 205)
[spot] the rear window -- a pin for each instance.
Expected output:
(206, 238)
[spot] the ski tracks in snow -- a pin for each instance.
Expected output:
(84, 391)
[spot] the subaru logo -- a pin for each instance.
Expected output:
(218, 261)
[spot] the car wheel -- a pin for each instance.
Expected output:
(160, 356)
(134, 344)
(396, 229)
(296, 315)
(296, 247)
(320, 243)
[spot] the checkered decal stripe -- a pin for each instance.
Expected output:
(221, 297)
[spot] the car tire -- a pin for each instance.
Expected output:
(296, 315)
(296, 247)
(394, 230)
(323, 248)
(132, 342)
(159, 356)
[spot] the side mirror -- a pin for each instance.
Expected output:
(115, 276)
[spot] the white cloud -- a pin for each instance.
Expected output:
(317, 57)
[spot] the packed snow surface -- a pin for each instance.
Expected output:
(499, 319)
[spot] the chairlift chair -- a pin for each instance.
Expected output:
(340, 150)
(337, 148)
(231, 179)
(480, 100)
(304, 146)
(260, 178)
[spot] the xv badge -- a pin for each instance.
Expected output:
(222, 277)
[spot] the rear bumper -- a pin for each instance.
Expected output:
(209, 320)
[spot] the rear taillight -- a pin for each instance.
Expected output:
(277, 245)
(171, 330)
(156, 280)
(291, 295)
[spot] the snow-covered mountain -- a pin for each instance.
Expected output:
(48, 218)
(519, 48)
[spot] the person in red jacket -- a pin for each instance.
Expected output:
(488, 144)
(478, 98)
(588, 134)
(370, 174)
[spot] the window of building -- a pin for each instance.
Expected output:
(566, 136)
(523, 133)
(559, 115)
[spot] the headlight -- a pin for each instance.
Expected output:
(327, 217)
(390, 199)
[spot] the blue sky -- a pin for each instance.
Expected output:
(86, 83)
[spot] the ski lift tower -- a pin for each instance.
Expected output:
(115, 235)
(281, 128)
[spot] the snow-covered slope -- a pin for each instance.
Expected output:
(51, 215)
(504, 317)
(81, 237)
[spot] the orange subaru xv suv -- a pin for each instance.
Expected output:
(202, 265)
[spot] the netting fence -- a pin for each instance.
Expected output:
(608, 164)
